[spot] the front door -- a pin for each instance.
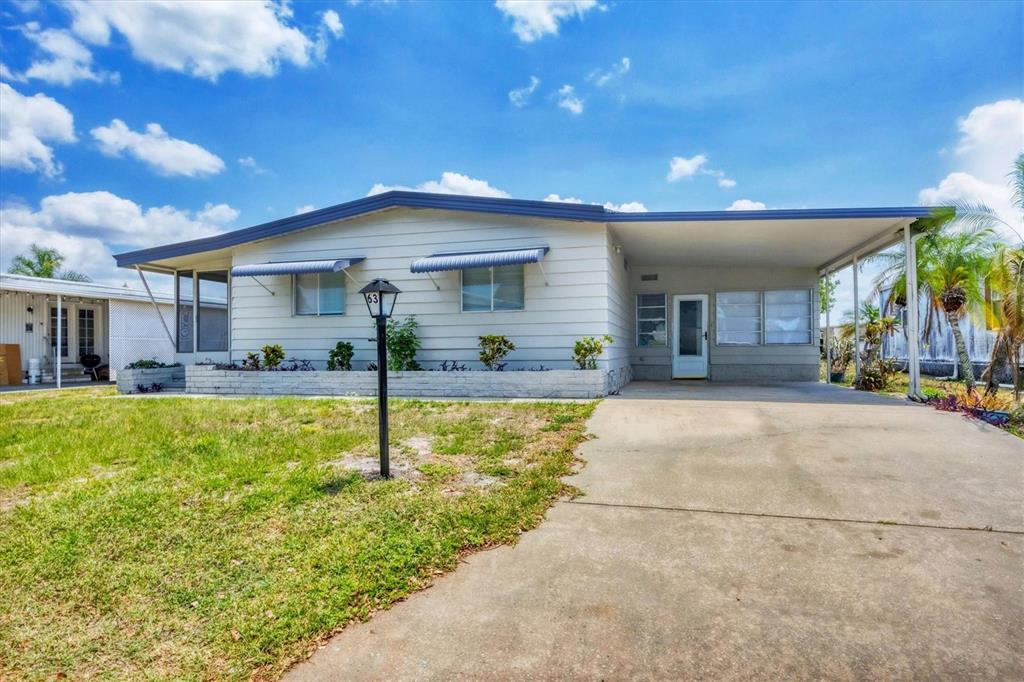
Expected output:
(690, 336)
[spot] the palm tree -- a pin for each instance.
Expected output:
(1007, 278)
(1006, 282)
(873, 328)
(44, 262)
(951, 268)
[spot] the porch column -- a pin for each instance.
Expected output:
(60, 336)
(856, 322)
(828, 340)
(913, 313)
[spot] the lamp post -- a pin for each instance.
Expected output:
(380, 296)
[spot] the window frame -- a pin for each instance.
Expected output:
(197, 313)
(810, 317)
(295, 292)
(80, 329)
(763, 332)
(636, 308)
(490, 268)
(760, 312)
(64, 320)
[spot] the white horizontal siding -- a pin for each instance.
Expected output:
(621, 314)
(572, 303)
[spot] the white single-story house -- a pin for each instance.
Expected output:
(118, 324)
(719, 295)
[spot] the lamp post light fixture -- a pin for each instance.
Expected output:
(380, 296)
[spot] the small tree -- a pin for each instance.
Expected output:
(827, 293)
(493, 349)
(586, 350)
(402, 343)
(272, 356)
(340, 357)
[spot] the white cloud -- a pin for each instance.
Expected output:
(627, 207)
(251, 165)
(205, 39)
(680, 167)
(26, 125)
(330, 25)
(602, 78)
(218, 214)
(305, 208)
(746, 205)
(450, 183)
(66, 60)
(84, 226)
(161, 152)
(564, 200)
(533, 19)
(520, 96)
(568, 100)
(991, 137)
(333, 23)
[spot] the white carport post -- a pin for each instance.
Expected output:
(913, 314)
(828, 332)
(60, 337)
(856, 322)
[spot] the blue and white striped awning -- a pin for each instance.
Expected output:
(478, 259)
(295, 267)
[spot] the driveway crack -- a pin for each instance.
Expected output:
(793, 517)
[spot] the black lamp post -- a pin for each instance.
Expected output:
(380, 296)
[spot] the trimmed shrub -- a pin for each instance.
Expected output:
(340, 357)
(493, 349)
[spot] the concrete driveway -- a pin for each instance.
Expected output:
(795, 532)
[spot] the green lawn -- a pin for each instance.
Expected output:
(176, 538)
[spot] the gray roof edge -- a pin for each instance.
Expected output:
(492, 205)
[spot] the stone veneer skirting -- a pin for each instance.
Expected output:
(571, 383)
(170, 377)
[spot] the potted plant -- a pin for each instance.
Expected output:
(842, 354)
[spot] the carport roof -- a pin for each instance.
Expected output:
(725, 220)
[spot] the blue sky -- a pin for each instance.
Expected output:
(264, 108)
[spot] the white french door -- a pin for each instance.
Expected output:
(690, 336)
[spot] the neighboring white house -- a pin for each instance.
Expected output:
(119, 324)
(726, 295)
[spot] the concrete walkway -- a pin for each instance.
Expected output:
(793, 532)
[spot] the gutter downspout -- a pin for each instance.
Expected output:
(156, 307)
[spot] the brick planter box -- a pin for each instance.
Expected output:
(206, 379)
(170, 377)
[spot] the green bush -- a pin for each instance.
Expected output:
(272, 355)
(340, 358)
(493, 349)
(252, 361)
(878, 375)
(402, 344)
(586, 350)
(150, 364)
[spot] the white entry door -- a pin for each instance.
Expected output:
(690, 336)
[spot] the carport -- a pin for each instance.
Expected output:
(734, 262)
